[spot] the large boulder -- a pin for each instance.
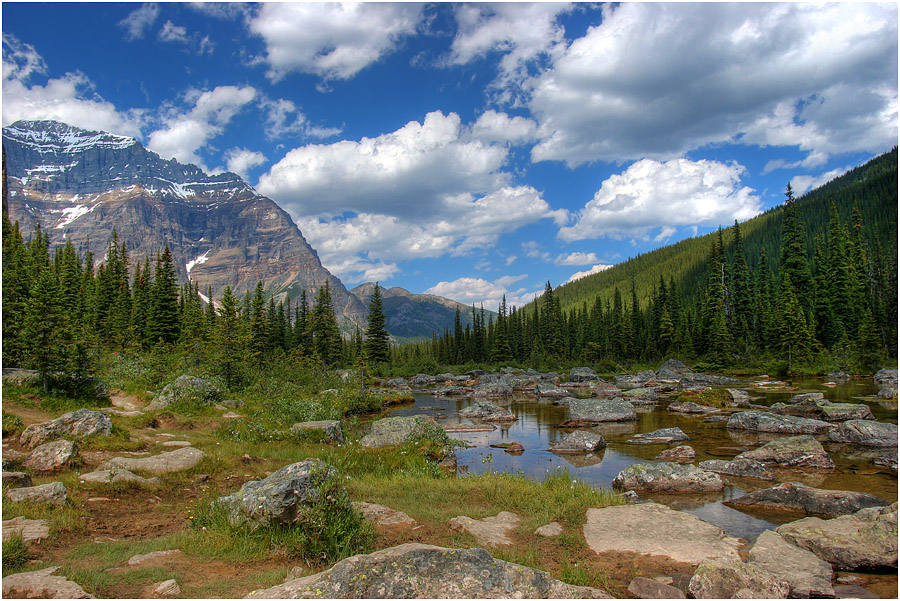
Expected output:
(763, 421)
(600, 410)
(824, 410)
(115, 476)
(794, 451)
(864, 540)
(583, 374)
(579, 441)
(665, 435)
(330, 429)
(186, 388)
(867, 433)
(53, 456)
(731, 579)
(52, 492)
(414, 570)
(398, 384)
(391, 431)
(41, 584)
(488, 412)
(606, 390)
(178, 460)
(550, 390)
(679, 453)
(807, 575)
(807, 500)
(29, 530)
(638, 378)
(886, 377)
(281, 497)
(806, 397)
(651, 528)
(674, 365)
(82, 422)
(667, 477)
(495, 388)
(744, 468)
(640, 396)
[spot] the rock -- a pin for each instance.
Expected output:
(550, 390)
(52, 492)
(690, 407)
(665, 435)
(116, 475)
(807, 500)
(739, 398)
(330, 428)
(580, 441)
(17, 479)
(175, 443)
(889, 461)
(550, 530)
(13, 457)
(391, 431)
(795, 451)
(730, 579)
(853, 591)
(864, 540)
(886, 377)
(866, 433)
(667, 477)
(75, 423)
(186, 388)
(492, 389)
(715, 419)
(667, 375)
(420, 380)
(169, 588)
(675, 365)
(605, 390)
(807, 397)
(231, 415)
(397, 383)
(583, 374)
(178, 460)
(638, 378)
(414, 570)
(41, 584)
(514, 449)
(763, 421)
(232, 403)
(280, 497)
(383, 516)
(714, 379)
(640, 396)
(490, 531)
(679, 453)
(745, 468)
(655, 529)
(53, 456)
(599, 410)
(824, 410)
(29, 530)
(136, 560)
(838, 375)
(645, 588)
(488, 412)
(807, 575)
(888, 393)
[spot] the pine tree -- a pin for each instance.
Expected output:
(231, 339)
(46, 334)
(326, 336)
(377, 347)
(793, 332)
(500, 351)
(163, 322)
(794, 261)
(742, 289)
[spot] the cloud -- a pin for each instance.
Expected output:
(185, 133)
(284, 119)
(803, 183)
(479, 291)
(492, 126)
(658, 80)
(580, 274)
(139, 21)
(173, 33)
(532, 250)
(576, 258)
(665, 232)
(651, 194)
(242, 160)
(70, 98)
(333, 40)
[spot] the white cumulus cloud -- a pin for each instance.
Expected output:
(577, 258)
(652, 194)
(242, 160)
(595, 269)
(481, 292)
(332, 40)
(140, 20)
(801, 184)
(492, 126)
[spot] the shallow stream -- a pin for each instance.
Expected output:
(535, 428)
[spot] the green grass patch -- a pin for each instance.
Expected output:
(713, 397)
(581, 575)
(12, 424)
(66, 518)
(15, 553)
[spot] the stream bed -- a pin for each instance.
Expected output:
(535, 428)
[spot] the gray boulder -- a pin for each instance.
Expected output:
(414, 570)
(186, 388)
(679, 453)
(674, 365)
(807, 500)
(638, 378)
(29, 530)
(178, 460)
(330, 428)
(640, 396)
(824, 410)
(739, 398)
(52, 492)
(889, 393)
(665, 436)
(606, 390)
(492, 389)
(867, 433)
(114, 476)
(397, 383)
(838, 375)
(391, 431)
(281, 497)
(886, 377)
(667, 375)
(667, 477)
(763, 421)
(82, 422)
(589, 411)
(550, 390)
(714, 379)
(41, 584)
(583, 374)
(807, 396)
(488, 412)
(420, 380)
(744, 468)
(730, 579)
(53, 456)
(807, 575)
(646, 588)
(864, 540)
(794, 451)
(580, 441)
(17, 479)
(690, 407)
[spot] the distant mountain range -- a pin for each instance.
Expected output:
(80, 185)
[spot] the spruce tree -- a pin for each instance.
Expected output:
(231, 340)
(794, 258)
(377, 347)
(46, 335)
(326, 335)
(793, 333)
(163, 321)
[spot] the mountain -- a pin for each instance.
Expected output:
(81, 185)
(411, 316)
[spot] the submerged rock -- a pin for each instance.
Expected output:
(866, 433)
(680, 453)
(82, 422)
(763, 421)
(689, 407)
(744, 468)
(795, 451)
(807, 500)
(580, 441)
(667, 477)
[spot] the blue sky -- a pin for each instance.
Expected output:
(477, 150)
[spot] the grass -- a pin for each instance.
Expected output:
(62, 519)
(15, 553)
(713, 397)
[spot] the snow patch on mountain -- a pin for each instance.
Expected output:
(198, 261)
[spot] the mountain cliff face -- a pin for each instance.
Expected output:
(81, 185)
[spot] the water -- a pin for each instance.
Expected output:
(535, 429)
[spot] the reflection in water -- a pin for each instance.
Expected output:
(535, 429)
